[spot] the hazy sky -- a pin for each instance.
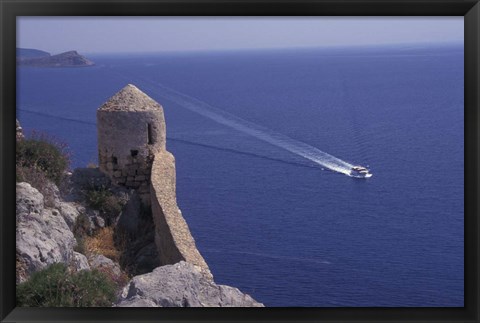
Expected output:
(156, 34)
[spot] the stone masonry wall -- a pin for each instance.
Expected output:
(124, 153)
(134, 174)
(172, 235)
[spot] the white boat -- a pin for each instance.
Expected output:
(360, 172)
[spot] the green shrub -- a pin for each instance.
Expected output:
(80, 246)
(82, 227)
(55, 286)
(106, 202)
(45, 154)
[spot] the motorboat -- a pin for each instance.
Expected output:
(360, 172)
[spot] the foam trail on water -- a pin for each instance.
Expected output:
(277, 139)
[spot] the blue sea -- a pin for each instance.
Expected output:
(278, 226)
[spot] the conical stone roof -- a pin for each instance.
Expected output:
(130, 98)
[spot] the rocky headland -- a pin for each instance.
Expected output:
(37, 58)
(31, 53)
(137, 234)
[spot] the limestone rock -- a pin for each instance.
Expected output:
(181, 285)
(98, 221)
(51, 193)
(102, 262)
(43, 236)
(69, 212)
(80, 262)
(92, 218)
(28, 200)
(19, 131)
(137, 301)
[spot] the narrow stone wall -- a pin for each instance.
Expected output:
(135, 173)
(172, 235)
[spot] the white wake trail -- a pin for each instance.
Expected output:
(277, 139)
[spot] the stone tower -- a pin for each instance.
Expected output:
(131, 130)
(132, 152)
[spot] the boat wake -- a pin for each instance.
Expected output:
(260, 132)
(265, 134)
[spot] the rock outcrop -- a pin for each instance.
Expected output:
(69, 212)
(43, 236)
(181, 285)
(19, 131)
(80, 261)
(67, 59)
(102, 262)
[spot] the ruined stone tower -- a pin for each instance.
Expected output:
(131, 130)
(132, 152)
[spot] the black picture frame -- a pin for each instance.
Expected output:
(10, 9)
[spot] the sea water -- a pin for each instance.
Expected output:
(281, 227)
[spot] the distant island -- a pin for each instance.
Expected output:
(38, 58)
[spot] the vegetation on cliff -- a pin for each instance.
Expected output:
(41, 161)
(57, 286)
(105, 201)
(89, 242)
(41, 154)
(75, 274)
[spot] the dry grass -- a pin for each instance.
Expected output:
(102, 243)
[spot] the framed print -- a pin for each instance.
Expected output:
(290, 161)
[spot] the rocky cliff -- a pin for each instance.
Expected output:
(45, 237)
(67, 59)
(159, 264)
